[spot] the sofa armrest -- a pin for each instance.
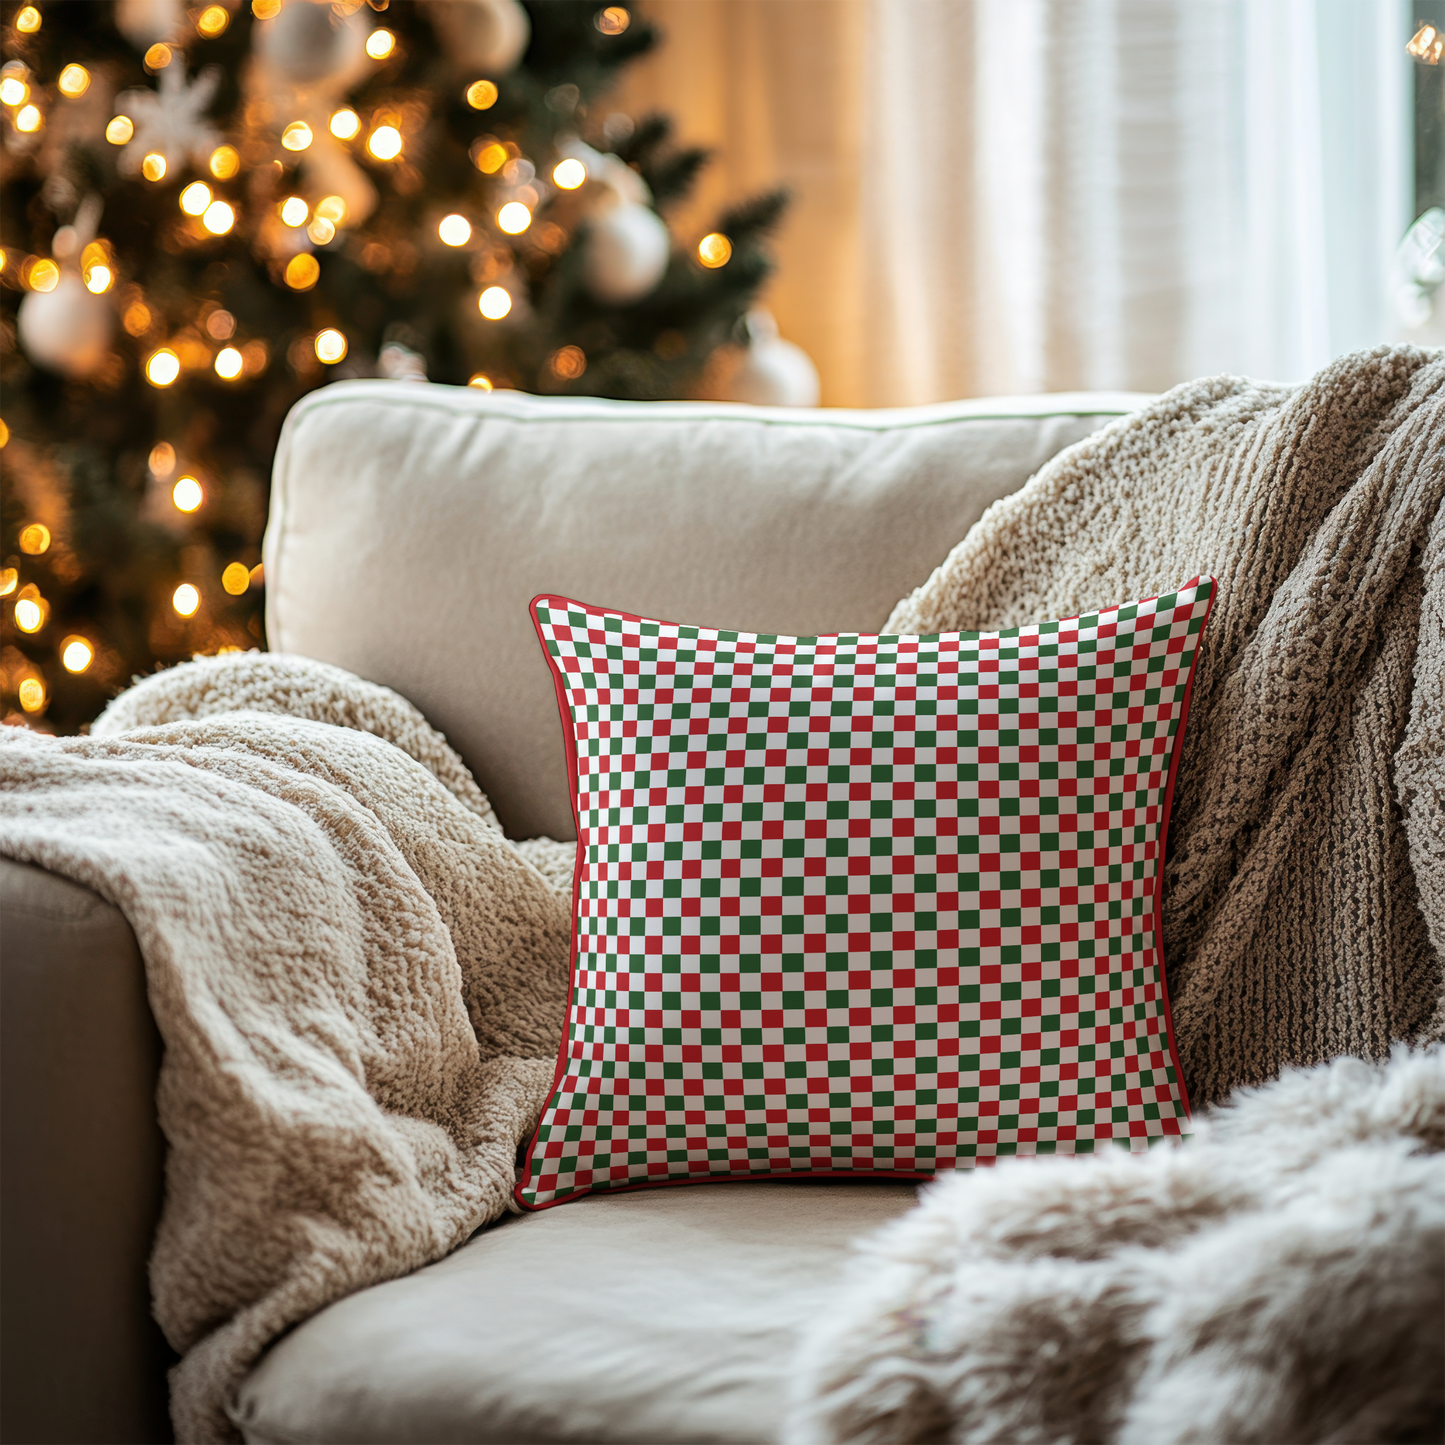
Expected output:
(80, 1357)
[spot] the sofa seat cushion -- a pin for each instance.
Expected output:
(666, 1315)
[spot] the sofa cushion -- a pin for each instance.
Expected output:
(653, 1318)
(411, 525)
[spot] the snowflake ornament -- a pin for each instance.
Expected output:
(170, 121)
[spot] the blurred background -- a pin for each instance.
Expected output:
(209, 209)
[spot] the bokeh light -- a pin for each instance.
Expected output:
(330, 346)
(455, 230)
(187, 494)
(495, 302)
(163, 367)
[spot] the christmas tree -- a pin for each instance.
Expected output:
(209, 210)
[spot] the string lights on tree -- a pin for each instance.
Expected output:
(210, 209)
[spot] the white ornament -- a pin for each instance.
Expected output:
(773, 372)
(170, 120)
(489, 36)
(628, 246)
(309, 44)
(145, 22)
(66, 330)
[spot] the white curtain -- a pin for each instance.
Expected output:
(1002, 196)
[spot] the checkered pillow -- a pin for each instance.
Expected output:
(863, 905)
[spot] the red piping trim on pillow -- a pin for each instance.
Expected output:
(1164, 842)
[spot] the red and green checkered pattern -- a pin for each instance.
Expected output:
(853, 904)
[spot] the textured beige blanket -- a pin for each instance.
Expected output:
(1304, 899)
(359, 981)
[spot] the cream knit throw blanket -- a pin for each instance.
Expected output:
(360, 984)
(1282, 1275)
(1304, 892)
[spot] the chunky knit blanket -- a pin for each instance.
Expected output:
(1304, 889)
(360, 984)
(1282, 1275)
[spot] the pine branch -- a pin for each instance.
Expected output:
(672, 177)
(652, 132)
(749, 221)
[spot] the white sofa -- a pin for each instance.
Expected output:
(410, 527)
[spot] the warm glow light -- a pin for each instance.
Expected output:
(303, 271)
(294, 211)
(137, 319)
(225, 162)
(76, 654)
(98, 279)
(714, 250)
(1427, 44)
(480, 380)
(44, 276)
(153, 167)
(236, 578)
(258, 575)
(27, 22)
(228, 363)
(569, 174)
(514, 218)
(158, 56)
(221, 324)
(384, 143)
(120, 130)
(13, 90)
(187, 494)
(29, 614)
(162, 459)
(481, 95)
(212, 21)
(491, 158)
(330, 346)
(331, 208)
(265, 9)
(163, 367)
(35, 538)
(219, 218)
(4, 436)
(345, 123)
(569, 362)
(296, 136)
(455, 230)
(185, 599)
(494, 302)
(380, 44)
(9, 577)
(31, 693)
(29, 119)
(195, 198)
(613, 20)
(321, 231)
(74, 81)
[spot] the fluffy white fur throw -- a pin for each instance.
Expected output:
(1281, 1277)
(360, 984)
